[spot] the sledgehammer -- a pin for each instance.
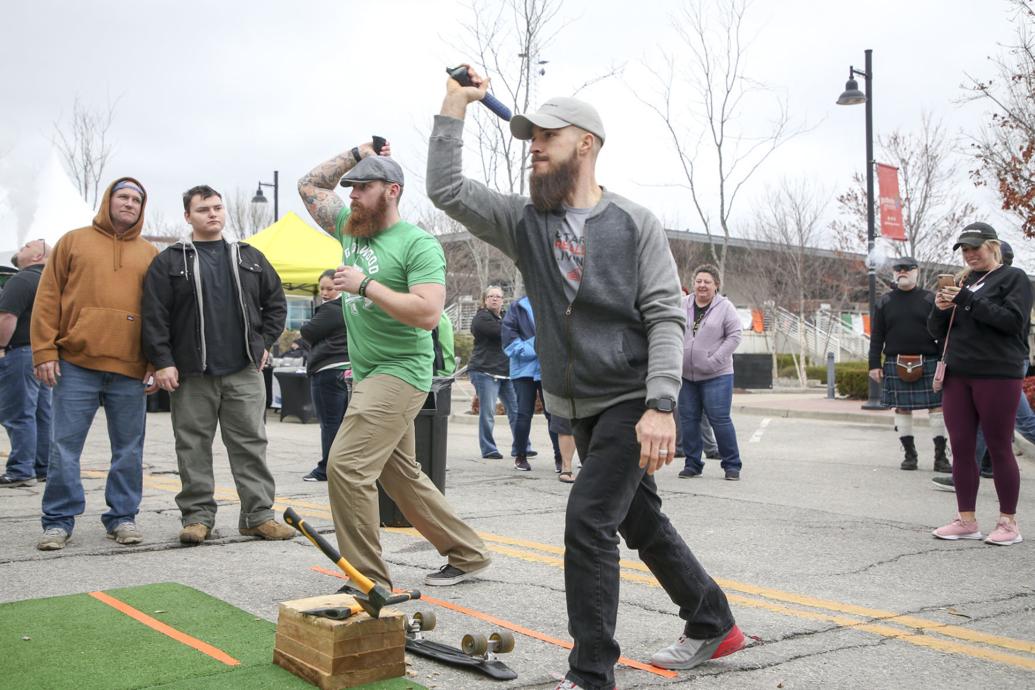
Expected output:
(374, 597)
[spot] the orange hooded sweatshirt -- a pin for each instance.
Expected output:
(87, 308)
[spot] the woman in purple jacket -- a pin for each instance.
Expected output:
(712, 335)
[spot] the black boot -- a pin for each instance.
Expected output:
(909, 463)
(986, 465)
(941, 462)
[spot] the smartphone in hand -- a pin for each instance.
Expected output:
(946, 280)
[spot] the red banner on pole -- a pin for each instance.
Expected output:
(890, 203)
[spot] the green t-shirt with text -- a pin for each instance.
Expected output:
(399, 257)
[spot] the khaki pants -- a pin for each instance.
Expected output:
(237, 402)
(375, 441)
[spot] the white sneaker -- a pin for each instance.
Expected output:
(686, 652)
(53, 539)
(126, 533)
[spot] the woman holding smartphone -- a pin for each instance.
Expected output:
(982, 321)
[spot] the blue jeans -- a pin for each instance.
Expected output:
(25, 413)
(489, 389)
(77, 395)
(527, 389)
(613, 496)
(713, 398)
(330, 400)
(1024, 424)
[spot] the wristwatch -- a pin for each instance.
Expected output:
(662, 405)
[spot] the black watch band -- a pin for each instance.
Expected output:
(667, 405)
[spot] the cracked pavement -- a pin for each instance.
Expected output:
(824, 549)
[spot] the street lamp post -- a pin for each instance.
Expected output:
(260, 198)
(852, 96)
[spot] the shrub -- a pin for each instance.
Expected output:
(853, 381)
(463, 345)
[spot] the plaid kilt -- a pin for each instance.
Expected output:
(919, 395)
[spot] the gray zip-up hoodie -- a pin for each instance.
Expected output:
(621, 338)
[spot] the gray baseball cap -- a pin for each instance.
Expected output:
(557, 113)
(374, 168)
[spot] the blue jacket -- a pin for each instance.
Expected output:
(517, 333)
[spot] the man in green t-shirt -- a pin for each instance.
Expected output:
(392, 281)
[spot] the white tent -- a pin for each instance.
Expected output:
(59, 207)
(9, 243)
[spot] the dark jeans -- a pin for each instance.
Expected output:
(330, 400)
(612, 496)
(992, 404)
(25, 414)
(527, 389)
(714, 399)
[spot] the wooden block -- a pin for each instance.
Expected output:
(327, 681)
(339, 654)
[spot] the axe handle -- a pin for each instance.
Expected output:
(359, 579)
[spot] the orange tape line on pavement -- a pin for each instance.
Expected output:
(535, 634)
(159, 626)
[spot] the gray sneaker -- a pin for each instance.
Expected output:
(450, 575)
(126, 533)
(53, 538)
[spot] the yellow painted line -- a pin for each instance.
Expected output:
(917, 629)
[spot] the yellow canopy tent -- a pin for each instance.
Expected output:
(298, 252)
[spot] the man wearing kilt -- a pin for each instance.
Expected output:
(910, 358)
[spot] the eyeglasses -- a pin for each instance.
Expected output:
(903, 268)
(494, 297)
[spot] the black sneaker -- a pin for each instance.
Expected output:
(521, 465)
(495, 455)
(8, 481)
(688, 473)
(943, 483)
(733, 475)
(314, 476)
(449, 575)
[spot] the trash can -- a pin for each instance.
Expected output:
(431, 427)
(159, 401)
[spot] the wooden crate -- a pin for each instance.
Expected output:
(339, 654)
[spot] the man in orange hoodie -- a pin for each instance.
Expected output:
(86, 345)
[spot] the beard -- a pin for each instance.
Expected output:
(365, 221)
(549, 189)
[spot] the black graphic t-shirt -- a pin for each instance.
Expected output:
(569, 248)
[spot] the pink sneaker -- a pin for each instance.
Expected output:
(958, 529)
(1004, 534)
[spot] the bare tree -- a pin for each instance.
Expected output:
(1005, 147)
(789, 219)
(160, 231)
(85, 146)
(933, 207)
(704, 97)
(243, 218)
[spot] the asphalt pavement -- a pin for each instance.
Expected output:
(824, 549)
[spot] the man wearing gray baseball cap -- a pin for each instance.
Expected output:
(608, 305)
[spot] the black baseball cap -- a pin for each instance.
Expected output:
(975, 235)
(904, 262)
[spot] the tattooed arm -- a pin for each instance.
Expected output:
(317, 187)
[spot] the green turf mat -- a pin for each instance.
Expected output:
(78, 642)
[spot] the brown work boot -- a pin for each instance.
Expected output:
(270, 530)
(194, 533)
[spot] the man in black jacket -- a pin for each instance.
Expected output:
(211, 311)
(910, 358)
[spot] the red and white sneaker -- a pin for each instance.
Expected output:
(686, 652)
(958, 529)
(1005, 533)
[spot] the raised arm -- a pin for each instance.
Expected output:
(318, 187)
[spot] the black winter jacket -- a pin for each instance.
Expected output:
(327, 336)
(172, 315)
(488, 356)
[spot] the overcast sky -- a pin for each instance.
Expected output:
(224, 93)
